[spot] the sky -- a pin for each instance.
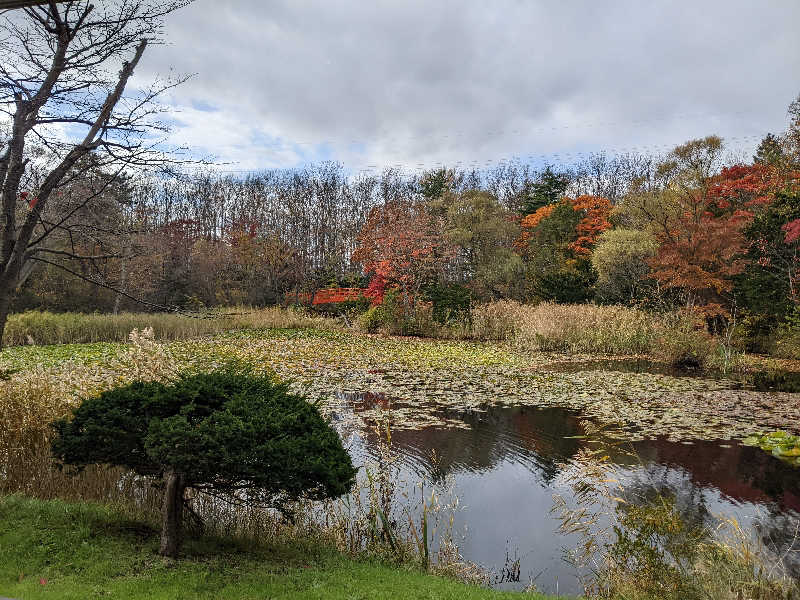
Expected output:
(412, 83)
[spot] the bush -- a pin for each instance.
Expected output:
(347, 308)
(451, 302)
(787, 343)
(371, 320)
(222, 432)
(398, 316)
(755, 333)
(683, 341)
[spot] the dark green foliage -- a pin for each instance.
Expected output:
(547, 190)
(348, 308)
(223, 431)
(434, 184)
(555, 274)
(451, 302)
(769, 151)
(764, 286)
(755, 332)
(566, 286)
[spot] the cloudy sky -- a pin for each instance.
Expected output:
(280, 83)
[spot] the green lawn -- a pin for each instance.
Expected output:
(78, 551)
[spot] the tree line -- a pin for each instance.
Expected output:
(205, 240)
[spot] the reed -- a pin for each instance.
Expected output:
(44, 328)
(672, 337)
(638, 544)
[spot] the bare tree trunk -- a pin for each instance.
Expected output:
(5, 305)
(171, 513)
(122, 278)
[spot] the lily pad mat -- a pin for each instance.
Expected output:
(433, 381)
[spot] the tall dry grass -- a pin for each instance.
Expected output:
(636, 542)
(674, 337)
(587, 328)
(43, 328)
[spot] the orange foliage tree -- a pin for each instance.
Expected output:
(703, 246)
(557, 240)
(593, 212)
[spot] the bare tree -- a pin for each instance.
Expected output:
(64, 70)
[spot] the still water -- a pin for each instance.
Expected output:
(508, 463)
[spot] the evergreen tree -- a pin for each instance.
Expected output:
(547, 190)
(225, 432)
(769, 151)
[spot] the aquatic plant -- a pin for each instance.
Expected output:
(780, 444)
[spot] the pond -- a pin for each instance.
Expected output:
(505, 463)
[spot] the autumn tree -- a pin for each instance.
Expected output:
(66, 66)
(401, 246)
(557, 241)
(620, 259)
(701, 236)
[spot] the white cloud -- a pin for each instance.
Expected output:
(419, 82)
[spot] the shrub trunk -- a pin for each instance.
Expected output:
(171, 514)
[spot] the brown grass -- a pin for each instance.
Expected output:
(43, 328)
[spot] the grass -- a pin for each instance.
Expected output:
(55, 549)
(46, 328)
(674, 338)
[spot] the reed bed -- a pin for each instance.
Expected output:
(672, 337)
(44, 328)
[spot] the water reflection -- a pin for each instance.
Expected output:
(504, 467)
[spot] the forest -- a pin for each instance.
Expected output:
(697, 229)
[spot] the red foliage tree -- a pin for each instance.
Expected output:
(400, 246)
(792, 229)
(703, 246)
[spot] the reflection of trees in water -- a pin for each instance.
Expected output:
(741, 473)
(542, 438)
(777, 529)
(654, 480)
(539, 438)
(779, 532)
